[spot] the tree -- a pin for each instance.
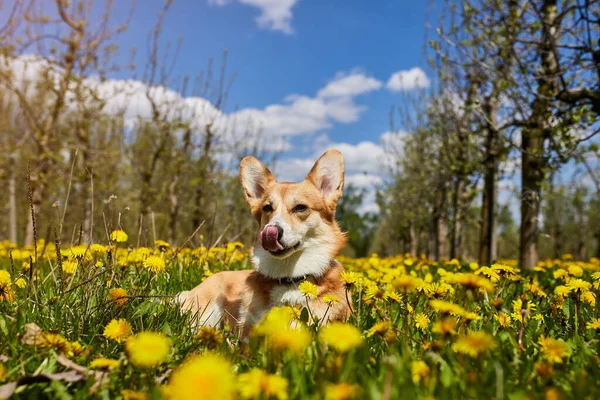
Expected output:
(360, 229)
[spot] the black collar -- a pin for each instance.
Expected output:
(290, 281)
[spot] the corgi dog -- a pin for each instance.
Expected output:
(298, 240)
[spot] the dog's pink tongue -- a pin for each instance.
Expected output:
(268, 238)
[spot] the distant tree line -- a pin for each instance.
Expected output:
(517, 87)
(79, 164)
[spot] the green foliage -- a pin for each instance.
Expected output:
(359, 228)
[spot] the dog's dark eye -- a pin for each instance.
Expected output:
(300, 208)
(267, 208)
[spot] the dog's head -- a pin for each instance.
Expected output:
(298, 232)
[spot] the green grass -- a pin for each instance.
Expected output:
(79, 308)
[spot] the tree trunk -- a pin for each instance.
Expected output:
(438, 226)
(413, 239)
(533, 138)
(173, 210)
(488, 240)
(598, 242)
(456, 235)
(205, 168)
(12, 199)
(531, 181)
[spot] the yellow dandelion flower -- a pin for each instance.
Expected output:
(75, 349)
(534, 288)
(503, 319)
(118, 330)
(277, 328)
(419, 371)
(373, 293)
(383, 329)
(6, 292)
(342, 391)
(20, 283)
(148, 349)
(210, 337)
(392, 295)
(405, 283)
(471, 281)
(349, 278)
(257, 384)
(69, 267)
(594, 324)
(161, 245)
(118, 236)
(54, 341)
(446, 307)
(560, 274)
(554, 350)
(77, 252)
(118, 296)
(98, 249)
(589, 298)
(579, 285)
(506, 271)
(575, 270)
(2, 372)
(489, 272)
(437, 289)
(474, 343)
(308, 289)
(341, 337)
(104, 363)
(207, 377)
(5, 279)
(295, 340)
(422, 321)
(445, 326)
(155, 264)
(331, 300)
(520, 313)
(134, 395)
(562, 290)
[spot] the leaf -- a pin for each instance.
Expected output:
(304, 315)
(3, 326)
(567, 309)
(166, 329)
(446, 374)
(32, 334)
(8, 389)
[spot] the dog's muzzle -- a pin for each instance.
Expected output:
(269, 238)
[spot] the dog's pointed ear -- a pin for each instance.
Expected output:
(255, 178)
(328, 175)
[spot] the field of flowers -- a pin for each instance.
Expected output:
(98, 321)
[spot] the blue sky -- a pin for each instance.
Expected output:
(312, 74)
(317, 72)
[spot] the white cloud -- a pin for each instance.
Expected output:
(293, 170)
(407, 80)
(276, 123)
(362, 162)
(349, 85)
(275, 15)
(362, 157)
(363, 180)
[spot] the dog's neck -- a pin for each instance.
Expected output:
(313, 261)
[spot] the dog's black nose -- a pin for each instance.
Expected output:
(279, 232)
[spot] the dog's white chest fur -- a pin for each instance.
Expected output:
(286, 294)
